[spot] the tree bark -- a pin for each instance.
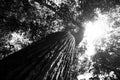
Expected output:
(47, 59)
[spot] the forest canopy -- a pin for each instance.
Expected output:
(23, 22)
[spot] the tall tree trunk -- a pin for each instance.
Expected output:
(48, 59)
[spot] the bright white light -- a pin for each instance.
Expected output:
(17, 39)
(95, 31)
(58, 2)
(101, 32)
(85, 76)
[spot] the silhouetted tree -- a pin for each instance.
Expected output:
(47, 59)
(51, 57)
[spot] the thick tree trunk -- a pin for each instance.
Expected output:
(48, 59)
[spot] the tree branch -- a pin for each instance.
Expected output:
(66, 17)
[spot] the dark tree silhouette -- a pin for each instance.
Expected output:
(48, 59)
(51, 57)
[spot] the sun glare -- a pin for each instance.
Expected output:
(101, 32)
(94, 32)
(96, 29)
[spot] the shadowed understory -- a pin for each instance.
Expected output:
(47, 59)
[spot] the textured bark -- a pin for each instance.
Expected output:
(48, 59)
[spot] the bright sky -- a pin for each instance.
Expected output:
(97, 30)
(57, 2)
(17, 39)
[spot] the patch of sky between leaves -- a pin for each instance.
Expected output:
(100, 34)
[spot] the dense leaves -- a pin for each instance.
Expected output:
(35, 19)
